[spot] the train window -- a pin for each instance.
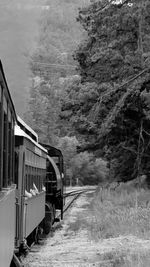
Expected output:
(43, 177)
(40, 180)
(5, 154)
(9, 116)
(28, 156)
(33, 177)
(30, 177)
(34, 160)
(12, 148)
(27, 178)
(26, 182)
(12, 124)
(16, 168)
(9, 149)
(36, 181)
(41, 183)
(35, 174)
(9, 154)
(5, 104)
(37, 161)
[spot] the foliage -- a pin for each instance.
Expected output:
(59, 36)
(88, 169)
(81, 168)
(68, 147)
(43, 111)
(109, 108)
(52, 65)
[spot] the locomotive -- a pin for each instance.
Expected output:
(31, 182)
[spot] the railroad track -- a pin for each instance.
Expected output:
(76, 194)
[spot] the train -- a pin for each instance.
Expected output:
(31, 182)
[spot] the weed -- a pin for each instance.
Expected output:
(120, 213)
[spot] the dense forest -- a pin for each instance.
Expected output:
(92, 99)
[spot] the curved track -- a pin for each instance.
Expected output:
(76, 194)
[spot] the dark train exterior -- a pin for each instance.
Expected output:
(31, 182)
(54, 184)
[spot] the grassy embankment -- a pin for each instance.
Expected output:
(119, 221)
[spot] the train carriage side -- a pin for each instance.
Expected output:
(7, 187)
(31, 174)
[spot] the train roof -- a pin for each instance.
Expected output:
(4, 83)
(52, 151)
(27, 129)
(20, 132)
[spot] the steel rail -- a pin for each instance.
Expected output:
(76, 194)
(77, 191)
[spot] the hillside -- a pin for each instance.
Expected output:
(19, 33)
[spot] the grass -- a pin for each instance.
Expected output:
(121, 218)
(122, 213)
(118, 213)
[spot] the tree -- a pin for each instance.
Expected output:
(88, 170)
(68, 146)
(109, 108)
(51, 64)
(42, 114)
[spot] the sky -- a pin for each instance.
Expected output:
(19, 32)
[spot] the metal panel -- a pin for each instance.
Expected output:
(7, 226)
(34, 212)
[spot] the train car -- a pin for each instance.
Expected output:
(31, 182)
(7, 187)
(54, 185)
(30, 174)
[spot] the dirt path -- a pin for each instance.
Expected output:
(72, 244)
